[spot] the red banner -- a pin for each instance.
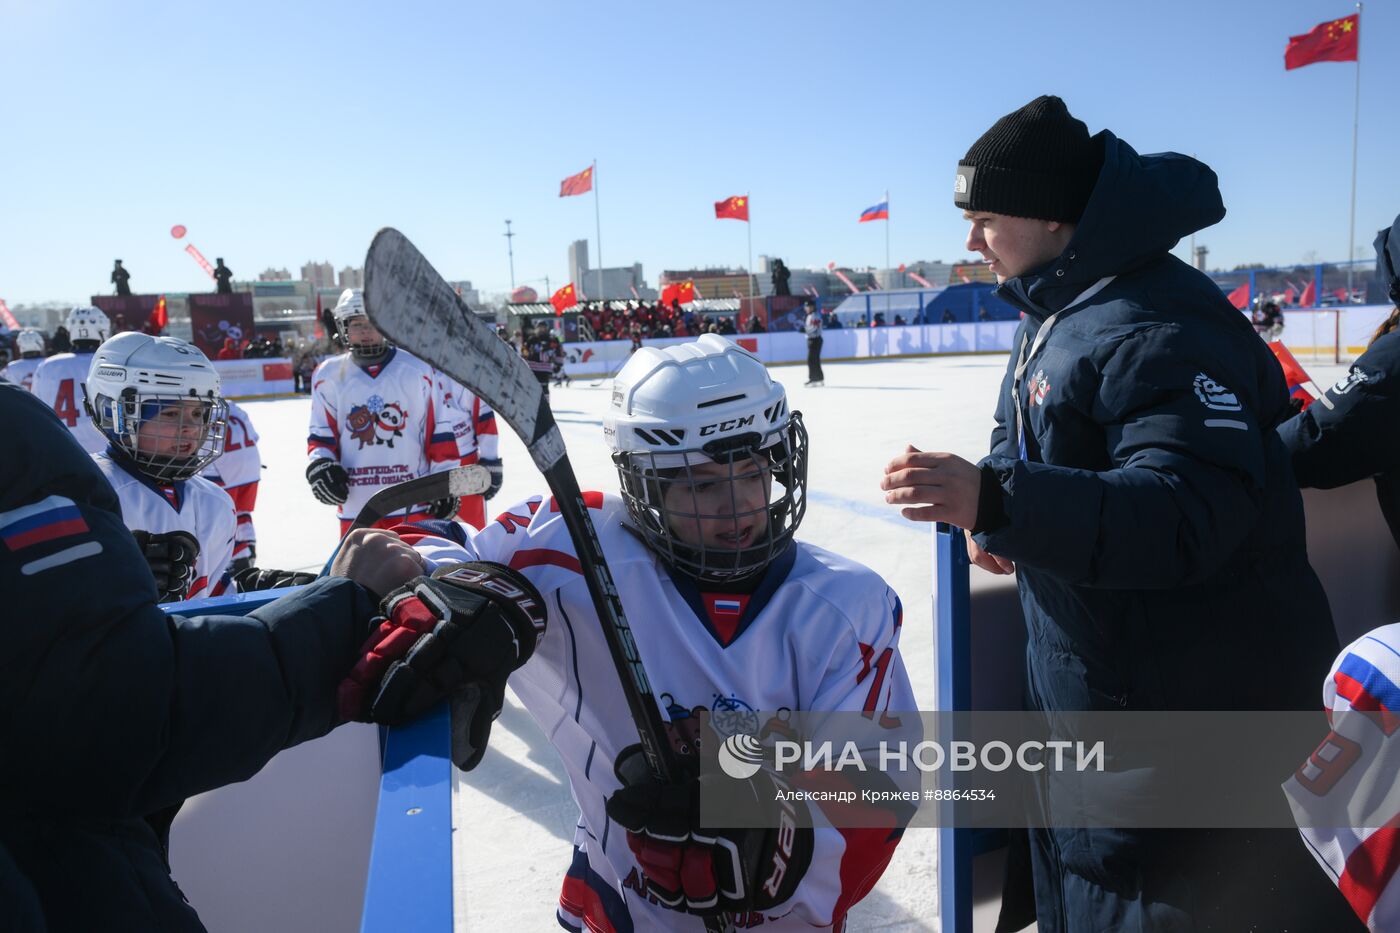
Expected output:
(199, 258)
(6, 317)
(217, 319)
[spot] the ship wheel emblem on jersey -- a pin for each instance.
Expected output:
(376, 422)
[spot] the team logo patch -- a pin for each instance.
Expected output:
(1352, 380)
(962, 184)
(1039, 387)
(1215, 396)
(376, 422)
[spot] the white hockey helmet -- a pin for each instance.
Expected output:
(30, 342)
(88, 323)
(707, 401)
(169, 388)
(351, 304)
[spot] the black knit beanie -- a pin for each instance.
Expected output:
(1035, 162)
(1388, 259)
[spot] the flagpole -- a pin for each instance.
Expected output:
(887, 231)
(748, 223)
(1355, 131)
(598, 230)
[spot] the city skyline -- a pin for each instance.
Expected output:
(445, 137)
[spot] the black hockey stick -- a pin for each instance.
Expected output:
(410, 303)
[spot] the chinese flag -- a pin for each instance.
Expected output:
(1333, 41)
(735, 208)
(1240, 297)
(564, 299)
(685, 292)
(669, 293)
(1309, 295)
(577, 184)
(1300, 385)
(155, 324)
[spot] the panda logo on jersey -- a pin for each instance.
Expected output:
(376, 422)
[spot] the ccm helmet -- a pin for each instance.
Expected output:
(157, 400)
(707, 402)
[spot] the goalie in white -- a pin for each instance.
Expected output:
(730, 615)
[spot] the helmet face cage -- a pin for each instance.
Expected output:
(662, 494)
(122, 419)
(371, 351)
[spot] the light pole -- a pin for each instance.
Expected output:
(510, 250)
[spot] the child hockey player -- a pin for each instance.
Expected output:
(730, 615)
(377, 418)
(58, 381)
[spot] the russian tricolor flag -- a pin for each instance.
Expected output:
(46, 520)
(879, 211)
(729, 607)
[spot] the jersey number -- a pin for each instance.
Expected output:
(231, 444)
(64, 406)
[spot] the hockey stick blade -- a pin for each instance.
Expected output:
(410, 304)
(469, 480)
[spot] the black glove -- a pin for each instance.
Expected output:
(445, 507)
(329, 481)
(171, 556)
(497, 475)
(465, 627)
(710, 871)
(252, 579)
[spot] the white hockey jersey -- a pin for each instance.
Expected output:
(194, 505)
(477, 438)
(821, 633)
(21, 371)
(59, 383)
(237, 471)
(383, 424)
(1350, 781)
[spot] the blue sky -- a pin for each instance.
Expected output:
(279, 133)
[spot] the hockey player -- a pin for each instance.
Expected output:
(238, 471)
(59, 379)
(156, 400)
(377, 418)
(729, 613)
(477, 442)
(30, 344)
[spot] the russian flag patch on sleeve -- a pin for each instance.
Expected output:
(54, 519)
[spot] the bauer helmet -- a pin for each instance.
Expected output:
(697, 431)
(157, 400)
(88, 325)
(351, 305)
(30, 343)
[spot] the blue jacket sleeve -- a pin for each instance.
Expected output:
(1359, 435)
(1185, 488)
(110, 708)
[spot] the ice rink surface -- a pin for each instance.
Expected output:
(516, 839)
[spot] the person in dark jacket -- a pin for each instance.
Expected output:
(112, 712)
(1355, 433)
(1137, 487)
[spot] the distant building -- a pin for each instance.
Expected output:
(319, 274)
(274, 275)
(617, 282)
(468, 294)
(716, 282)
(352, 278)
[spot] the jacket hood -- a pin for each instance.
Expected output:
(1140, 208)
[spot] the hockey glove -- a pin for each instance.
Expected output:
(700, 870)
(497, 476)
(465, 628)
(330, 483)
(445, 507)
(171, 556)
(252, 579)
